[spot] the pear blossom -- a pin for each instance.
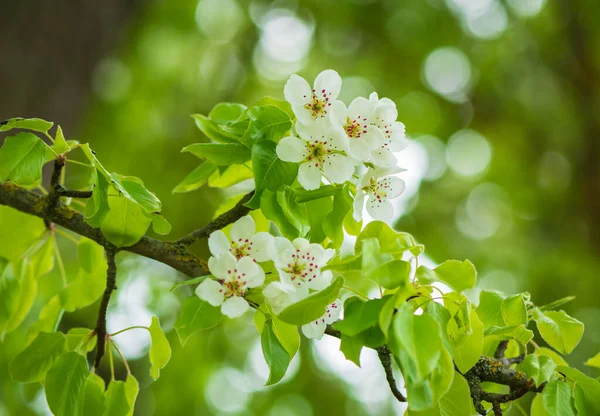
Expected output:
(280, 295)
(310, 104)
(299, 264)
(394, 132)
(233, 279)
(378, 189)
(316, 329)
(320, 150)
(244, 241)
(358, 123)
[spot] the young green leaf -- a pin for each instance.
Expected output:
(590, 386)
(468, 352)
(224, 154)
(424, 395)
(160, 225)
(126, 222)
(35, 124)
(490, 309)
(79, 337)
(214, 131)
(60, 144)
(33, 362)
(275, 354)
(456, 402)
(21, 159)
(312, 307)
(538, 367)
(359, 315)
(22, 299)
(594, 361)
(514, 311)
(160, 350)
(351, 347)
(459, 275)
(65, 382)
(92, 396)
(196, 315)
(196, 179)
(268, 123)
(333, 223)
(516, 332)
(274, 212)
(97, 207)
(227, 113)
(390, 241)
(558, 329)
(119, 399)
(557, 399)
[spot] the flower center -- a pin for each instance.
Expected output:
(235, 285)
(317, 151)
(318, 104)
(354, 128)
(240, 248)
(377, 189)
(302, 267)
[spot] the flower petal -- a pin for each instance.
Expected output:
(301, 243)
(220, 265)
(309, 176)
(360, 108)
(218, 243)
(385, 114)
(247, 268)
(333, 312)
(374, 97)
(243, 229)
(234, 306)
(359, 205)
(291, 149)
(338, 113)
(297, 91)
(279, 296)
(381, 210)
(314, 330)
(211, 291)
(398, 137)
(383, 157)
(330, 81)
(337, 139)
(262, 246)
(256, 279)
(374, 137)
(359, 148)
(320, 281)
(338, 168)
(392, 186)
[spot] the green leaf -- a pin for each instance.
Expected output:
(590, 386)
(296, 214)
(48, 319)
(594, 361)
(35, 124)
(275, 354)
(417, 342)
(97, 207)
(537, 407)
(92, 396)
(456, 402)
(539, 368)
(556, 399)
(282, 105)
(65, 382)
(21, 159)
(467, 353)
(160, 350)
(517, 332)
(60, 144)
(274, 212)
(317, 211)
(490, 309)
(314, 306)
(390, 241)
(268, 123)
(287, 334)
(9, 292)
(227, 113)
(126, 222)
(556, 303)
(580, 401)
(351, 347)
(22, 300)
(424, 395)
(558, 329)
(333, 225)
(189, 282)
(270, 172)
(196, 179)
(225, 177)
(303, 195)
(214, 131)
(514, 311)
(222, 154)
(459, 275)
(160, 225)
(78, 337)
(133, 188)
(89, 284)
(359, 315)
(196, 315)
(119, 399)
(558, 360)
(31, 364)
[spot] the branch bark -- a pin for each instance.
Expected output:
(111, 285)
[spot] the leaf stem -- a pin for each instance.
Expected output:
(61, 265)
(356, 292)
(129, 328)
(110, 360)
(67, 235)
(114, 344)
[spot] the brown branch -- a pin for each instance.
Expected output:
(111, 284)
(168, 253)
(221, 221)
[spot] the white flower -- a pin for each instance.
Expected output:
(384, 117)
(244, 242)
(320, 151)
(379, 189)
(316, 329)
(300, 263)
(281, 295)
(358, 124)
(312, 104)
(234, 278)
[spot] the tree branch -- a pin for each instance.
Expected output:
(111, 284)
(221, 221)
(168, 253)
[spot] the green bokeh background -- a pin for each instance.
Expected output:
(500, 97)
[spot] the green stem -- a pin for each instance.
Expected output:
(114, 344)
(67, 236)
(356, 292)
(128, 328)
(110, 360)
(61, 265)
(76, 162)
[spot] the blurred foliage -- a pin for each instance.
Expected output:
(501, 98)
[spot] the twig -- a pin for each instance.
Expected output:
(386, 361)
(111, 279)
(221, 221)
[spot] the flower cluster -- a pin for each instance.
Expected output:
(333, 141)
(235, 265)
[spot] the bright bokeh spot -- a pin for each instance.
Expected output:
(490, 24)
(553, 172)
(219, 20)
(436, 157)
(487, 209)
(447, 71)
(526, 8)
(468, 153)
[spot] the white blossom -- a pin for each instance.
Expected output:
(377, 188)
(358, 123)
(394, 132)
(316, 329)
(310, 104)
(320, 150)
(279, 296)
(244, 241)
(233, 279)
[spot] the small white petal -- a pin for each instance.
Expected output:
(359, 204)
(218, 243)
(374, 98)
(314, 330)
(398, 138)
(279, 296)
(337, 139)
(383, 157)
(374, 137)
(329, 253)
(297, 91)
(338, 168)
(256, 279)
(319, 282)
(243, 229)
(317, 252)
(211, 291)
(338, 113)
(291, 149)
(309, 176)
(301, 243)
(330, 81)
(359, 148)
(360, 108)
(262, 246)
(394, 186)
(220, 265)
(386, 114)
(234, 307)
(247, 269)
(380, 210)
(333, 312)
